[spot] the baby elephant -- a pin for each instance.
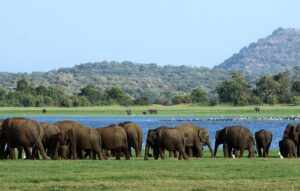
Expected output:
(263, 140)
(287, 148)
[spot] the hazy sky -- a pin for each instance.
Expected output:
(41, 35)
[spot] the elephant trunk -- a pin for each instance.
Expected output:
(210, 149)
(216, 149)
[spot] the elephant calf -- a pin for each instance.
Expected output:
(287, 148)
(263, 140)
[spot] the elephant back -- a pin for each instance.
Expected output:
(113, 137)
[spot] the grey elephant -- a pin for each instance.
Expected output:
(81, 139)
(134, 137)
(287, 148)
(235, 138)
(263, 140)
(114, 139)
(171, 139)
(151, 143)
(23, 133)
(195, 139)
(292, 132)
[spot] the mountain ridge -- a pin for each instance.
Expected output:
(275, 53)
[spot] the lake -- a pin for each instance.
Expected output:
(213, 124)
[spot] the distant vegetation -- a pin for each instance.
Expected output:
(236, 91)
(267, 71)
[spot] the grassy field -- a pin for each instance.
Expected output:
(178, 110)
(192, 175)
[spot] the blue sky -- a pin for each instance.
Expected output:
(40, 35)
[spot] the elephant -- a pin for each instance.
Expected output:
(23, 133)
(151, 142)
(263, 140)
(170, 139)
(287, 148)
(235, 138)
(81, 138)
(134, 137)
(114, 139)
(195, 139)
(52, 139)
(293, 132)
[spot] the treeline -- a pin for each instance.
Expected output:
(25, 95)
(277, 89)
(236, 91)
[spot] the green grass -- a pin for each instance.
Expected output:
(192, 175)
(178, 110)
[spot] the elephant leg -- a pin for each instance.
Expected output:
(175, 154)
(40, 148)
(20, 153)
(161, 153)
(137, 150)
(129, 151)
(126, 153)
(264, 152)
(242, 152)
(35, 153)
(226, 150)
(182, 153)
(146, 152)
(28, 153)
(2, 150)
(55, 154)
(171, 154)
(155, 153)
(258, 148)
(117, 153)
(12, 153)
(267, 150)
(190, 151)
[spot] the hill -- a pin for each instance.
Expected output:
(131, 77)
(276, 53)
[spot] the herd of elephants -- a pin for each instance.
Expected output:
(72, 140)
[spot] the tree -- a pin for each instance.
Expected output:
(2, 94)
(296, 88)
(199, 96)
(284, 88)
(143, 100)
(116, 95)
(267, 89)
(93, 94)
(22, 85)
(41, 90)
(236, 90)
(182, 99)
